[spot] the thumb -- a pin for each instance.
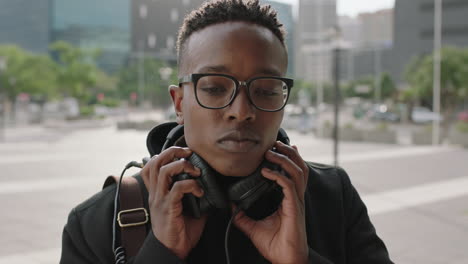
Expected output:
(243, 222)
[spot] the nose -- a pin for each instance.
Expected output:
(241, 109)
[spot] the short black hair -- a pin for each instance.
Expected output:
(220, 11)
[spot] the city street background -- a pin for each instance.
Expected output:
(417, 196)
(82, 82)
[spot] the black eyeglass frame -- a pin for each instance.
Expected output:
(194, 77)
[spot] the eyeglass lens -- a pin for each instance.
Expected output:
(217, 92)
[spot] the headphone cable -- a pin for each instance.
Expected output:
(226, 237)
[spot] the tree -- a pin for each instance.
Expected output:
(352, 88)
(154, 87)
(387, 87)
(27, 73)
(454, 81)
(105, 86)
(311, 88)
(299, 85)
(77, 71)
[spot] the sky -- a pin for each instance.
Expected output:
(354, 7)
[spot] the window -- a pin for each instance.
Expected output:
(170, 42)
(143, 11)
(152, 40)
(174, 15)
(446, 4)
(452, 31)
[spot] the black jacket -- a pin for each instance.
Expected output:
(338, 229)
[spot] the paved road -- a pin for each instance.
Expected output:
(417, 196)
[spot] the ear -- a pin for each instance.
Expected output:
(177, 94)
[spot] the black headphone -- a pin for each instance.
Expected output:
(256, 195)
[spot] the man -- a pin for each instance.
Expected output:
(231, 54)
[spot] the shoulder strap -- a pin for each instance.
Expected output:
(132, 215)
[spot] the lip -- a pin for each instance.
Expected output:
(238, 141)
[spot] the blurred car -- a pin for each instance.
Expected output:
(382, 113)
(422, 115)
(302, 119)
(463, 116)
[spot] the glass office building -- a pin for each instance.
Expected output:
(25, 23)
(102, 24)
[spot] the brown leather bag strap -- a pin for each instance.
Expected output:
(132, 216)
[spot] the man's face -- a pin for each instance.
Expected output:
(233, 140)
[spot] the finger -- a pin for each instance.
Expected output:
(287, 185)
(291, 168)
(177, 193)
(174, 168)
(145, 174)
(244, 223)
(153, 172)
(293, 153)
(171, 154)
(151, 169)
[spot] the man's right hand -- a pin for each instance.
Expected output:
(177, 232)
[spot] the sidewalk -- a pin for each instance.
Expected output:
(29, 133)
(53, 130)
(63, 174)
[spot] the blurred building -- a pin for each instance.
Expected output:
(413, 27)
(370, 36)
(351, 28)
(316, 20)
(25, 23)
(91, 24)
(285, 16)
(155, 25)
(376, 28)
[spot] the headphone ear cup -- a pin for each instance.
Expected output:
(213, 197)
(258, 196)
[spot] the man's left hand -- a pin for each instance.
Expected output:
(281, 237)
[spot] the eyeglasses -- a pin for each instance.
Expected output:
(216, 91)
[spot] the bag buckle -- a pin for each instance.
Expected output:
(130, 215)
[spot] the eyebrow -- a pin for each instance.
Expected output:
(224, 69)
